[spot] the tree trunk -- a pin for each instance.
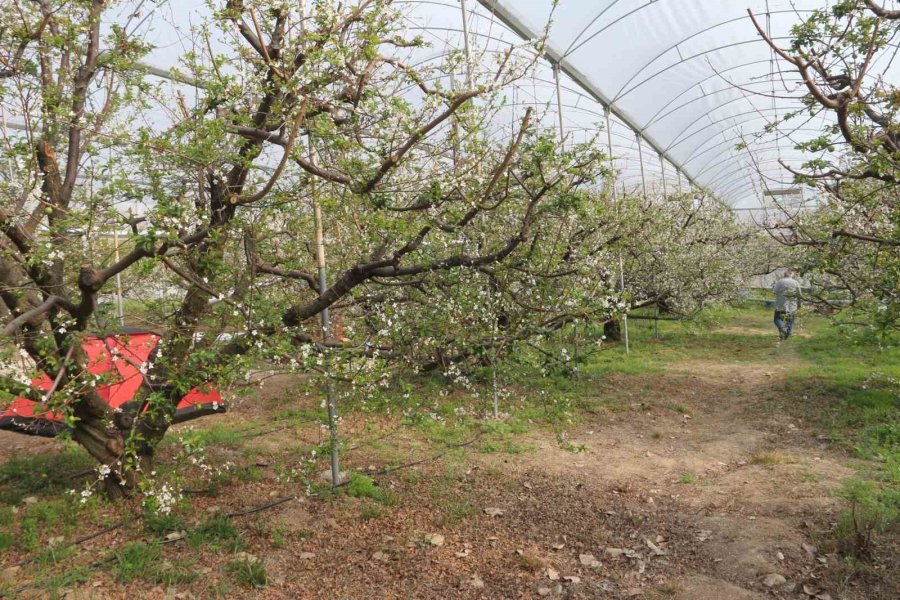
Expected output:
(108, 440)
(612, 330)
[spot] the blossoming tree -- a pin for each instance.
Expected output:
(849, 244)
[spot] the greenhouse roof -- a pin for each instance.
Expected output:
(692, 78)
(692, 90)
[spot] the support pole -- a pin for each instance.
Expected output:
(562, 146)
(120, 303)
(326, 313)
(559, 108)
(465, 26)
(326, 334)
(662, 169)
(641, 159)
(680, 187)
(618, 213)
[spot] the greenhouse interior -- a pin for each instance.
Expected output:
(477, 299)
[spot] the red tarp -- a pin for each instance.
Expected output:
(123, 355)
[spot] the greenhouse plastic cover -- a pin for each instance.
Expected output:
(693, 76)
(690, 84)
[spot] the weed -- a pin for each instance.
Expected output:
(248, 572)
(455, 511)
(370, 511)
(64, 579)
(686, 478)
(675, 407)
(568, 446)
(218, 533)
(218, 435)
(7, 540)
(279, 539)
(361, 486)
(42, 473)
(771, 458)
(872, 511)
(220, 589)
(159, 523)
(134, 560)
(529, 560)
(667, 589)
(57, 515)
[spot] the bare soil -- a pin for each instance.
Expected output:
(695, 487)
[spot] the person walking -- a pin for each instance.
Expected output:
(787, 303)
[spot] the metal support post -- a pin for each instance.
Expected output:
(559, 108)
(618, 213)
(662, 169)
(465, 26)
(120, 303)
(641, 159)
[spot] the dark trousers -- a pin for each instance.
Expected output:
(784, 321)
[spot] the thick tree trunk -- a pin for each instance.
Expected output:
(612, 330)
(124, 441)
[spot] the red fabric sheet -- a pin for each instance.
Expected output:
(119, 359)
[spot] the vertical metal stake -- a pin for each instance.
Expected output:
(120, 303)
(662, 169)
(641, 159)
(618, 213)
(465, 25)
(559, 108)
(326, 335)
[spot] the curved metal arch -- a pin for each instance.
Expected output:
(734, 138)
(659, 117)
(681, 138)
(621, 94)
(757, 148)
(757, 166)
(741, 180)
(711, 164)
(518, 27)
(702, 147)
(755, 111)
(691, 36)
(735, 189)
(714, 168)
(569, 50)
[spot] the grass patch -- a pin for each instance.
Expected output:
(161, 524)
(47, 474)
(217, 533)
(143, 560)
(64, 579)
(361, 486)
(248, 572)
(134, 559)
(686, 478)
(771, 458)
(370, 511)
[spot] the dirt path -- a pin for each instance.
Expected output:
(743, 491)
(691, 483)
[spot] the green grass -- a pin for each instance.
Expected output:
(143, 560)
(248, 572)
(852, 387)
(686, 478)
(361, 486)
(47, 474)
(134, 559)
(217, 533)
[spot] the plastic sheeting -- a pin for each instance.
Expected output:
(687, 81)
(693, 76)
